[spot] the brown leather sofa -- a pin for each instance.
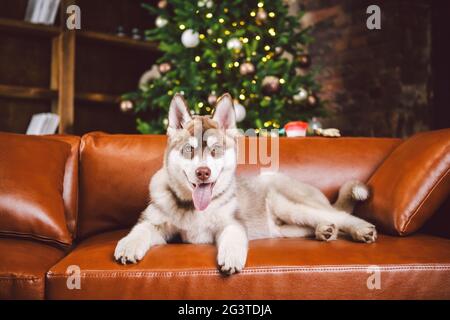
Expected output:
(104, 185)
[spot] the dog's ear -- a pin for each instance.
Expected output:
(224, 113)
(178, 112)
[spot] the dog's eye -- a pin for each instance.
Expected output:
(217, 151)
(188, 151)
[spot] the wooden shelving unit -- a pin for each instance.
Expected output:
(62, 91)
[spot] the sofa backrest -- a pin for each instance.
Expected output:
(115, 171)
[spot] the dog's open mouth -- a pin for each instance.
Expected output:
(202, 195)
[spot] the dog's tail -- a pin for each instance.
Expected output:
(349, 194)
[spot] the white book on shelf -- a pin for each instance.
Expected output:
(43, 123)
(36, 11)
(31, 8)
(44, 11)
(53, 9)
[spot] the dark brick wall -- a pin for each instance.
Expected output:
(378, 82)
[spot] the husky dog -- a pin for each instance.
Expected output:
(197, 195)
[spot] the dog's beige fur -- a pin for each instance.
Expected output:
(240, 209)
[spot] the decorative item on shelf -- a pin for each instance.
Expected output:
(212, 99)
(313, 124)
(270, 85)
(120, 31)
(43, 123)
(301, 95)
(247, 68)
(190, 38)
(329, 132)
(234, 44)
(162, 4)
(164, 67)
(126, 106)
(261, 16)
(295, 128)
(239, 110)
(304, 60)
(160, 21)
(313, 101)
(135, 34)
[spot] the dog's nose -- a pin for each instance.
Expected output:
(203, 173)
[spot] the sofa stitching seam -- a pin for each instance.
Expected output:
(155, 274)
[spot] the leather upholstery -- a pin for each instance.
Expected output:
(23, 266)
(32, 175)
(411, 184)
(116, 170)
(414, 267)
(70, 188)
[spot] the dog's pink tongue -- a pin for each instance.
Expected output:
(202, 196)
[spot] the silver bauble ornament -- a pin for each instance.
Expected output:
(234, 44)
(239, 111)
(190, 38)
(301, 95)
(270, 85)
(160, 22)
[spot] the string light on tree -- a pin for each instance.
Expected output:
(234, 44)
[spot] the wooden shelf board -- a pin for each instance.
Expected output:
(116, 40)
(27, 92)
(19, 26)
(97, 97)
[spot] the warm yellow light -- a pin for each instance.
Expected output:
(242, 97)
(242, 23)
(272, 14)
(276, 125)
(253, 81)
(209, 15)
(200, 104)
(264, 59)
(227, 32)
(197, 58)
(260, 4)
(221, 20)
(201, 36)
(213, 64)
(258, 38)
(272, 32)
(208, 109)
(245, 40)
(236, 64)
(170, 92)
(282, 81)
(182, 27)
(253, 13)
(253, 53)
(230, 65)
(234, 24)
(225, 10)
(219, 40)
(267, 48)
(267, 123)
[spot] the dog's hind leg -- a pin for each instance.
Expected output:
(325, 221)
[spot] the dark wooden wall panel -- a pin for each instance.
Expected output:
(15, 114)
(24, 60)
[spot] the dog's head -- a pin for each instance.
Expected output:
(201, 154)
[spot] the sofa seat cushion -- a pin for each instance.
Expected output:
(23, 266)
(412, 267)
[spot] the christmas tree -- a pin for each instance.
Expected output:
(252, 49)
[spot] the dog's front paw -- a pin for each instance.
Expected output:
(364, 233)
(131, 249)
(326, 232)
(231, 259)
